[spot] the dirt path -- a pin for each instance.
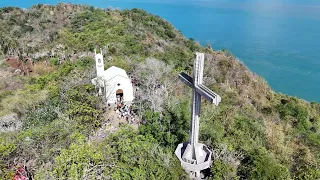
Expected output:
(111, 126)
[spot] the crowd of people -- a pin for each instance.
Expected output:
(124, 111)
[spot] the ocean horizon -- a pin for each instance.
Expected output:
(278, 40)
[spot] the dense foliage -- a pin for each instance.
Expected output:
(254, 133)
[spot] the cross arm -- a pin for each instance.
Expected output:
(201, 89)
(185, 78)
(208, 94)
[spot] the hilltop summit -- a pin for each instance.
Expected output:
(254, 133)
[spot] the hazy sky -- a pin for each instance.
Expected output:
(106, 3)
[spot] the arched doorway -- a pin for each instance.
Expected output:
(119, 95)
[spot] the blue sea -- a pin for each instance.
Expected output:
(277, 39)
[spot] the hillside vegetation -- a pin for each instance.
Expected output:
(48, 117)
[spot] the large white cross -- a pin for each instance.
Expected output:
(193, 155)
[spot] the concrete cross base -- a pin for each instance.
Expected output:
(202, 154)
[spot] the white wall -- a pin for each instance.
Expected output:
(112, 87)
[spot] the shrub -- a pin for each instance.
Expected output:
(260, 164)
(85, 62)
(40, 116)
(4, 94)
(54, 61)
(221, 170)
(139, 157)
(246, 133)
(171, 34)
(304, 166)
(224, 66)
(6, 146)
(168, 128)
(83, 106)
(84, 161)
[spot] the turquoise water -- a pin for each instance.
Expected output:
(278, 40)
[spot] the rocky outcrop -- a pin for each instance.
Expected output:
(10, 123)
(25, 66)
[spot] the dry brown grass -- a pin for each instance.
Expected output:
(43, 68)
(21, 101)
(9, 81)
(276, 138)
(232, 75)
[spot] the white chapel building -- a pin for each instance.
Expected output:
(114, 83)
